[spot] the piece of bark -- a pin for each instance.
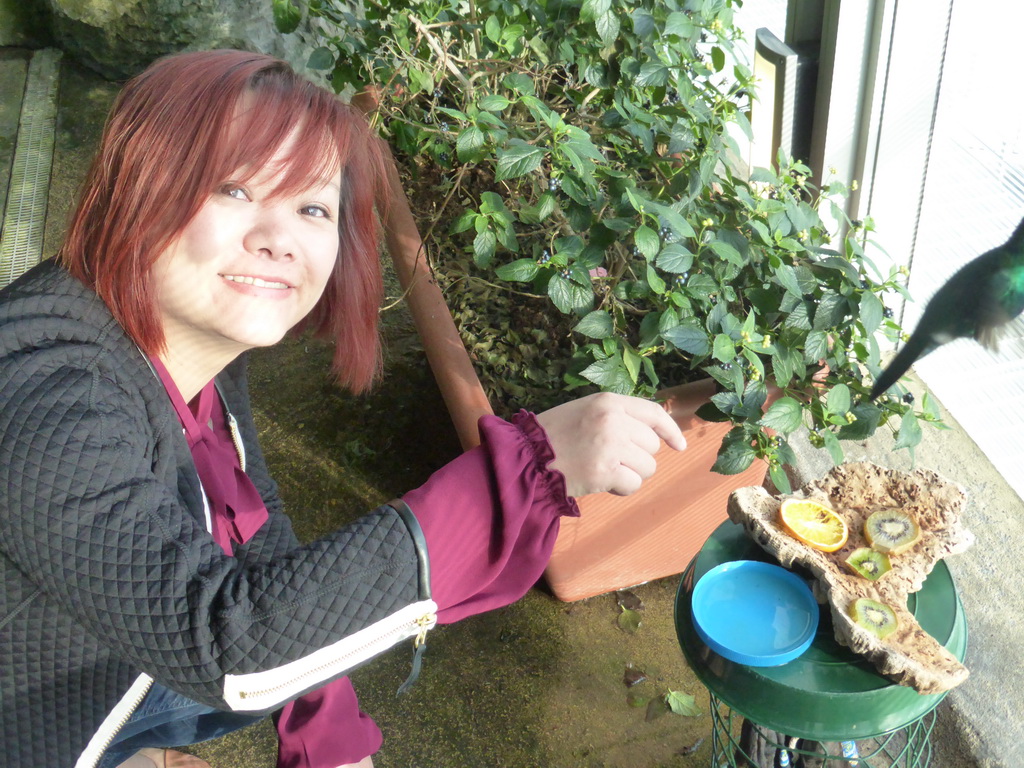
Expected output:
(909, 655)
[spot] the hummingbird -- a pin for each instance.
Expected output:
(977, 301)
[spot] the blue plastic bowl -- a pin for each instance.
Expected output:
(754, 613)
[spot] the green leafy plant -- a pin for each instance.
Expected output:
(574, 161)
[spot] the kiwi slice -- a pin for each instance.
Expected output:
(868, 563)
(877, 618)
(891, 531)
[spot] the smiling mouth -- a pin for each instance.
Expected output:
(256, 281)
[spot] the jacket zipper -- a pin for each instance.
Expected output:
(236, 437)
(121, 722)
(416, 628)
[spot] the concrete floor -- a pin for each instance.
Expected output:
(540, 683)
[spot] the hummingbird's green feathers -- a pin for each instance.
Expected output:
(976, 302)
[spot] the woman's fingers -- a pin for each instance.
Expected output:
(657, 418)
(607, 442)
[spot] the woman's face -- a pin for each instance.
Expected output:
(249, 266)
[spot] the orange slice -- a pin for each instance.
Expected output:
(814, 524)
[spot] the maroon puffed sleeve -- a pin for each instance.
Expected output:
(490, 517)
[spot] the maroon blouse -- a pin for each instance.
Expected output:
(490, 518)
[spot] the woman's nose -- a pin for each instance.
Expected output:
(272, 236)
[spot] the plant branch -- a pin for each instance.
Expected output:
(442, 54)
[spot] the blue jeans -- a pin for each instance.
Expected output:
(168, 719)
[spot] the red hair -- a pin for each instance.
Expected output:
(179, 130)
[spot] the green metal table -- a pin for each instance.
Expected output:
(828, 699)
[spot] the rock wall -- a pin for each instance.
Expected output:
(119, 38)
(24, 23)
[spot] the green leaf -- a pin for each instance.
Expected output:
(785, 415)
(519, 82)
(492, 28)
(647, 241)
(779, 478)
(718, 58)
(867, 418)
(830, 311)
(724, 348)
(799, 318)
(909, 435)
(632, 362)
(286, 16)
(492, 202)
(510, 36)
(815, 347)
(871, 312)
(682, 704)
(727, 252)
(787, 278)
(493, 102)
(568, 295)
(838, 399)
(764, 176)
(711, 412)
(736, 453)
(583, 166)
(518, 160)
(593, 8)
(607, 27)
(689, 338)
(652, 74)
(643, 23)
(520, 270)
(321, 59)
(469, 143)
(484, 246)
(609, 374)
(726, 402)
(629, 620)
(545, 206)
(570, 247)
(782, 369)
(465, 221)
(674, 258)
(655, 281)
(421, 80)
(678, 24)
(754, 398)
(596, 325)
(835, 450)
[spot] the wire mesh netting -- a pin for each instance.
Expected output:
(741, 743)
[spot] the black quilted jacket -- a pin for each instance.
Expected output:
(109, 575)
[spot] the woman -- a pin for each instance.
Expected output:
(154, 593)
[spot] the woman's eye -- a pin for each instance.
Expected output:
(236, 192)
(316, 210)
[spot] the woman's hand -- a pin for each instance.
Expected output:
(607, 442)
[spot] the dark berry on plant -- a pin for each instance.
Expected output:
(887, 312)
(908, 398)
